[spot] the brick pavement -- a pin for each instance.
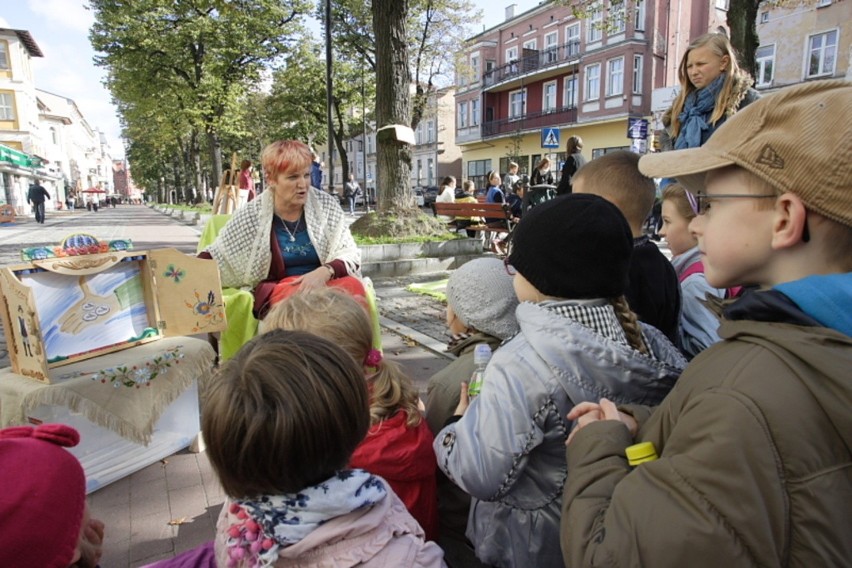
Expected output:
(182, 489)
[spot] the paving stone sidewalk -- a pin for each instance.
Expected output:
(172, 506)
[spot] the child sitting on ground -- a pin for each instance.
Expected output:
(754, 443)
(698, 326)
(577, 339)
(398, 445)
(480, 309)
(653, 291)
(281, 421)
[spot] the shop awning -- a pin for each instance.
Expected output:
(18, 158)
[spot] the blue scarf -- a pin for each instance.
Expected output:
(694, 120)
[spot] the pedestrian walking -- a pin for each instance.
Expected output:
(351, 191)
(36, 196)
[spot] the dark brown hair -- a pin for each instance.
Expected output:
(285, 413)
(616, 178)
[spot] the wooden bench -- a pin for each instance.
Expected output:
(478, 211)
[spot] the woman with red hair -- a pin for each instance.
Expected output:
(288, 239)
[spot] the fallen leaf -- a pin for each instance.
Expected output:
(164, 461)
(176, 522)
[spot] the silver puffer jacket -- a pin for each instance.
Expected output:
(508, 450)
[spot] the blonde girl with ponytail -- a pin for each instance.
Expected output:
(398, 445)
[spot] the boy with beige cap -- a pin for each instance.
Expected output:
(755, 440)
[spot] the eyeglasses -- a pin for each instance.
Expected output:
(510, 270)
(703, 200)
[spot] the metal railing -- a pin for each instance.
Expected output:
(565, 115)
(531, 63)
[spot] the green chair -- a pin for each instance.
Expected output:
(242, 325)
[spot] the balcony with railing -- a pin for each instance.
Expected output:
(532, 62)
(529, 121)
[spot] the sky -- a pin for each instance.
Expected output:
(61, 27)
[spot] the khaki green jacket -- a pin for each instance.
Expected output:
(755, 467)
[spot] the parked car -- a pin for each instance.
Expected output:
(430, 194)
(418, 196)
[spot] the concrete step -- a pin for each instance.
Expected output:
(402, 267)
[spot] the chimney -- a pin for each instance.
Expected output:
(510, 11)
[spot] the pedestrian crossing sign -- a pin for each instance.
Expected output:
(550, 138)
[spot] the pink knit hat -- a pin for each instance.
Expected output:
(42, 498)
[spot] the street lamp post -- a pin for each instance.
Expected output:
(329, 93)
(364, 141)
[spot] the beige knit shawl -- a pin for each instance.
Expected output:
(242, 247)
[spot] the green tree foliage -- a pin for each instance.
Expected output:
(436, 30)
(187, 66)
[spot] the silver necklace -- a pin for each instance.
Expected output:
(295, 229)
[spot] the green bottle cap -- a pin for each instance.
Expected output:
(640, 453)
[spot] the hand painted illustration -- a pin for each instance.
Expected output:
(81, 313)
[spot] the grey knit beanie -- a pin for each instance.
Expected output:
(480, 293)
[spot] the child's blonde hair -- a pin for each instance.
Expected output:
(338, 317)
(616, 177)
(729, 98)
(679, 197)
(468, 186)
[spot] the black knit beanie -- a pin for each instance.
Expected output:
(575, 246)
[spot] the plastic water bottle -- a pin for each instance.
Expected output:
(481, 356)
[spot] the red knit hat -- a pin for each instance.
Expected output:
(43, 496)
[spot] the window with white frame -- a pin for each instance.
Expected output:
(548, 98)
(823, 3)
(517, 103)
(572, 39)
(531, 44)
(764, 17)
(639, 15)
(475, 68)
(618, 15)
(593, 82)
(551, 46)
(765, 56)
(430, 131)
(512, 54)
(595, 31)
(822, 50)
(637, 74)
(4, 55)
(569, 92)
(722, 4)
(615, 77)
(7, 106)
(474, 112)
(461, 119)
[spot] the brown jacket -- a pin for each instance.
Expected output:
(755, 467)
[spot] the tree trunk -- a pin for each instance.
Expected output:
(214, 147)
(393, 104)
(742, 21)
(338, 142)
